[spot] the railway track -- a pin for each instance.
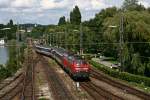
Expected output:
(98, 93)
(100, 76)
(8, 81)
(28, 82)
(59, 90)
(12, 88)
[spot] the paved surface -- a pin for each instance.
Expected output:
(106, 63)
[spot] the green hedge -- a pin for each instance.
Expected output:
(122, 75)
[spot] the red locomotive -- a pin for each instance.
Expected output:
(72, 63)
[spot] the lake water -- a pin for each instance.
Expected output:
(3, 55)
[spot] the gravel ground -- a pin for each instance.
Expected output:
(41, 83)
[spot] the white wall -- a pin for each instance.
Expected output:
(2, 42)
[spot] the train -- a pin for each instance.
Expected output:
(72, 63)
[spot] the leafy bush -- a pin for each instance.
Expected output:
(123, 75)
(87, 57)
(4, 72)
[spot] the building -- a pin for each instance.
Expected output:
(2, 42)
(29, 29)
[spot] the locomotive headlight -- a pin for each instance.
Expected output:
(85, 68)
(77, 68)
(78, 65)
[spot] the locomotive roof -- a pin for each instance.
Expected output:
(43, 47)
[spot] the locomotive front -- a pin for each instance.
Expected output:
(81, 69)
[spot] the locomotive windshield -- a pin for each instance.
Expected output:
(81, 62)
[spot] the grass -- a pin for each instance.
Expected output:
(114, 62)
(42, 99)
(140, 86)
(52, 62)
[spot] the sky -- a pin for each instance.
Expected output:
(49, 11)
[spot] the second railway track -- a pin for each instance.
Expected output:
(12, 88)
(58, 88)
(99, 93)
(129, 90)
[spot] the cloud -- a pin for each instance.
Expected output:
(17, 3)
(4, 3)
(145, 3)
(49, 11)
(21, 3)
(92, 4)
(53, 4)
(100, 4)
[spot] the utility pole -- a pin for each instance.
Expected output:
(81, 39)
(73, 40)
(47, 39)
(17, 40)
(54, 39)
(17, 32)
(66, 38)
(59, 39)
(50, 39)
(121, 41)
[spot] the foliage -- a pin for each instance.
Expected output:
(75, 16)
(123, 75)
(37, 32)
(136, 65)
(136, 29)
(132, 5)
(147, 69)
(8, 34)
(10, 23)
(4, 72)
(62, 20)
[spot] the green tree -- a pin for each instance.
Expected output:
(62, 21)
(136, 29)
(75, 16)
(132, 5)
(126, 58)
(71, 17)
(10, 24)
(147, 69)
(137, 67)
(148, 9)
